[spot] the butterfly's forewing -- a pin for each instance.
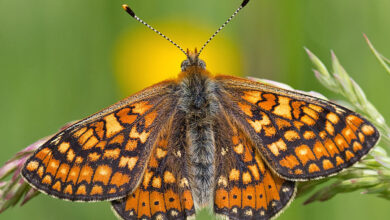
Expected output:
(301, 137)
(164, 192)
(102, 157)
(245, 187)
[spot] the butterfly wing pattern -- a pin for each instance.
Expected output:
(228, 143)
(245, 187)
(102, 157)
(164, 192)
(299, 136)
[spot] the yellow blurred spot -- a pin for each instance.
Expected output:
(143, 58)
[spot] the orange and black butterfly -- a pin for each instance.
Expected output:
(229, 144)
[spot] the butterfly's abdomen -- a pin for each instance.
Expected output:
(198, 101)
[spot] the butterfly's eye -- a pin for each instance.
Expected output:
(202, 64)
(185, 64)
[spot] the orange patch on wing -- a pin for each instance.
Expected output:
(99, 128)
(270, 188)
(101, 145)
(348, 134)
(234, 175)
(298, 172)
(310, 112)
(53, 166)
(102, 174)
(70, 155)
(247, 109)
(62, 172)
(32, 165)
(361, 137)
(268, 103)
(43, 153)
(80, 132)
(304, 154)
(149, 118)
(157, 202)
(221, 198)
(307, 120)
(82, 190)
(289, 161)
(85, 174)
(92, 141)
(332, 117)
(169, 178)
(357, 146)
(283, 109)
(261, 201)
(308, 135)
(47, 180)
(339, 160)
(83, 138)
(160, 153)
(187, 202)
(73, 174)
(156, 182)
(112, 154)
(252, 96)
(316, 108)
(172, 200)
(147, 177)
(112, 125)
(248, 197)
(119, 179)
(141, 107)
(348, 155)
(313, 168)
(277, 146)
(63, 147)
(143, 136)
(255, 171)
(331, 147)
(296, 105)
(68, 189)
(298, 124)
(246, 178)
(57, 186)
(291, 135)
(368, 130)
(341, 143)
(131, 145)
(269, 131)
(79, 160)
(132, 201)
(40, 171)
(282, 123)
(124, 116)
(96, 190)
(326, 164)
(235, 197)
(117, 140)
(130, 162)
(94, 156)
(329, 128)
(319, 150)
(356, 121)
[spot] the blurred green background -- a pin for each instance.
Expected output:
(63, 60)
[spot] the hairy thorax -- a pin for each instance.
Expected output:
(198, 101)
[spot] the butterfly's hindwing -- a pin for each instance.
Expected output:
(164, 192)
(301, 137)
(102, 157)
(245, 187)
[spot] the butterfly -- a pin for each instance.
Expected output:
(226, 143)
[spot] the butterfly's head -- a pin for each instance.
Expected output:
(192, 61)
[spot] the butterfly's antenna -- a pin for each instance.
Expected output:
(243, 4)
(132, 14)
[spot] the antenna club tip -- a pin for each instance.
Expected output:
(128, 10)
(244, 3)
